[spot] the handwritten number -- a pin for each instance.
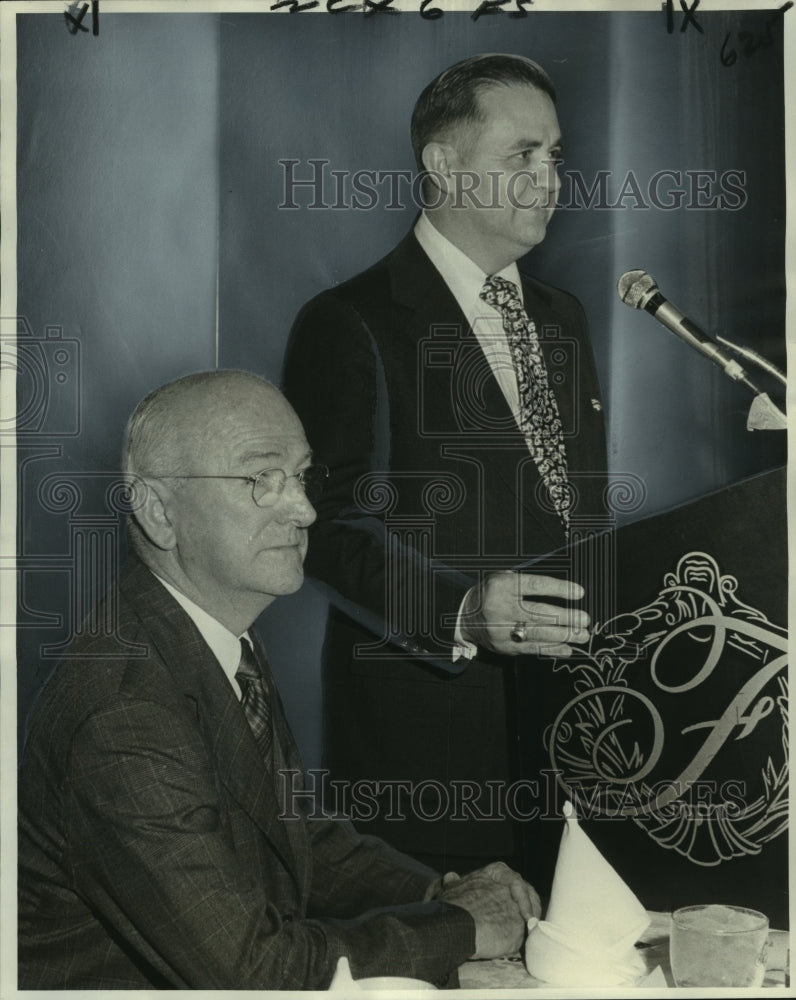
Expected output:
(728, 58)
(669, 8)
(429, 15)
(488, 7)
(749, 39)
(769, 38)
(751, 42)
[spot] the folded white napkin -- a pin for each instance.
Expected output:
(592, 922)
(343, 982)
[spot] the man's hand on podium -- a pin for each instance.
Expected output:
(508, 613)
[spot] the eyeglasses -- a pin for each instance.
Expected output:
(269, 484)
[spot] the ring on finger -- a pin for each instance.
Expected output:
(520, 632)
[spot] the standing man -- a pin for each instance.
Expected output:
(456, 404)
(165, 839)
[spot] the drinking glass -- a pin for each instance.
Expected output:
(718, 945)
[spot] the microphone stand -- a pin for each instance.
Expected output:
(764, 415)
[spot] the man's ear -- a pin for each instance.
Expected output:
(439, 160)
(153, 511)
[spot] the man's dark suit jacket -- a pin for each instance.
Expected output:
(387, 377)
(151, 853)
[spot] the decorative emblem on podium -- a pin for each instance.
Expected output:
(679, 719)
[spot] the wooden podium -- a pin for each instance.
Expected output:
(670, 732)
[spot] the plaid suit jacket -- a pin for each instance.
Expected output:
(151, 852)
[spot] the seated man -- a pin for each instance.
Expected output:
(157, 847)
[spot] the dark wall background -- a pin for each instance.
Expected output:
(117, 175)
(150, 231)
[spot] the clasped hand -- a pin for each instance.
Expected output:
(500, 902)
(507, 599)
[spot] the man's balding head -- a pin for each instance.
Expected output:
(193, 450)
(168, 428)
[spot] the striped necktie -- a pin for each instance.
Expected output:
(540, 421)
(255, 701)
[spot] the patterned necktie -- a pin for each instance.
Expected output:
(539, 422)
(255, 701)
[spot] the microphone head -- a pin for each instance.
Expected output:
(634, 287)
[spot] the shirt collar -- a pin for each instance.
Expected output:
(223, 644)
(461, 274)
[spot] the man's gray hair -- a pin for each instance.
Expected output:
(154, 444)
(153, 439)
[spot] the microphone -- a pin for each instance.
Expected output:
(640, 291)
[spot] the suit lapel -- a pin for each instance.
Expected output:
(418, 287)
(198, 674)
(294, 830)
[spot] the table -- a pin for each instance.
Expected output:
(510, 973)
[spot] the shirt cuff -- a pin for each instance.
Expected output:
(462, 649)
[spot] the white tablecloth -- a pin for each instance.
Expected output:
(509, 973)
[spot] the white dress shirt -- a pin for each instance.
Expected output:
(223, 644)
(465, 279)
